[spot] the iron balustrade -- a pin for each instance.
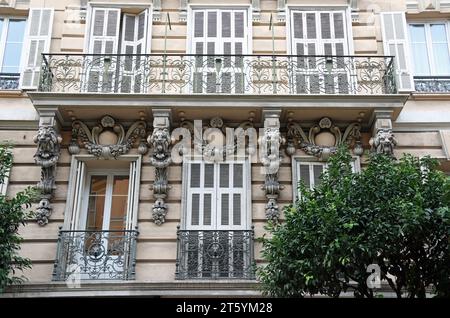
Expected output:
(217, 74)
(90, 255)
(9, 81)
(432, 84)
(215, 255)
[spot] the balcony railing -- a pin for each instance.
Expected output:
(215, 255)
(432, 84)
(9, 81)
(218, 74)
(88, 255)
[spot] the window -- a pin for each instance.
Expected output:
(308, 170)
(116, 31)
(99, 236)
(320, 35)
(216, 241)
(12, 31)
(430, 48)
(219, 32)
(39, 32)
(217, 196)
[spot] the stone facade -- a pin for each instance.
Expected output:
(50, 126)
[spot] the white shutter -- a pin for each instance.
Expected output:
(133, 195)
(4, 185)
(104, 33)
(395, 43)
(134, 41)
(39, 32)
(76, 190)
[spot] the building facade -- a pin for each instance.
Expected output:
(164, 134)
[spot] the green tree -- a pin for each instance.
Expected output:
(13, 213)
(394, 214)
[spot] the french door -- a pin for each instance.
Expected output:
(319, 39)
(219, 37)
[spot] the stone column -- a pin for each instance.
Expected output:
(47, 155)
(270, 143)
(160, 158)
(383, 139)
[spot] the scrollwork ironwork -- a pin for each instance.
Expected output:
(218, 74)
(215, 255)
(96, 255)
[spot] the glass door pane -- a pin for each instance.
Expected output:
(119, 202)
(96, 205)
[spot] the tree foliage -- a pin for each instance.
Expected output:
(13, 213)
(393, 213)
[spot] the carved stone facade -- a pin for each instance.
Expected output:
(47, 155)
(108, 139)
(383, 140)
(160, 158)
(270, 143)
(323, 138)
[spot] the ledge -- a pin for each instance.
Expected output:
(197, 288)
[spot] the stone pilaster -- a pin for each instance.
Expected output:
(47, 155)
(160, 158)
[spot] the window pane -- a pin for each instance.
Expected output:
(417, 32)
(119, 203)
(441, 59)
(96, 203)
(438, 33)
(13, 48)
(420, 56)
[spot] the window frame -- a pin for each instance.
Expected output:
(98, 5)
(248, 31)
(110, 174)
(428, 42)
(327, 8)
(216, 191)
(297, 160)
(76, 210)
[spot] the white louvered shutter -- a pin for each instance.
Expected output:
(220, 32)
(39, 32)
(4, 185)
(201, 196)
(104, 40)
(134, 42)
(231, 196)
(76, 190)
(319, 33)
(133, 195)
(395, 43)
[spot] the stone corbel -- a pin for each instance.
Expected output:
(156, 10)
(354, 10)
(256, 10)
(183, 10)
(281, 10)
(160, 159)
(383, 139)
(47, 155)
(270, 143)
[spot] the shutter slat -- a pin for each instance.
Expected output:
(99, 21)
(226, 24)
(141, 25)
(212, 24)
(311, 26)
(224, 208)
(298, 25)
(236, 209)
(129, 28)
(198, 24)
(224, 175)
(325, 24)
(195, 213)
(207, 209)
(209, 176)
(237, 175)
(304, 175)
(339, 32)
(112, 23)
(317, 170)
(35, 18)
(239, 24)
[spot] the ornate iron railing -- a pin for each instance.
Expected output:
(432, 84)
(84, 255)
(9, 81)
(218, 74)
(215, 255)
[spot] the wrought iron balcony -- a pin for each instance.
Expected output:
(215, 255)
(88, 255)
(432, 84)
(9, 81)
(218, 74)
